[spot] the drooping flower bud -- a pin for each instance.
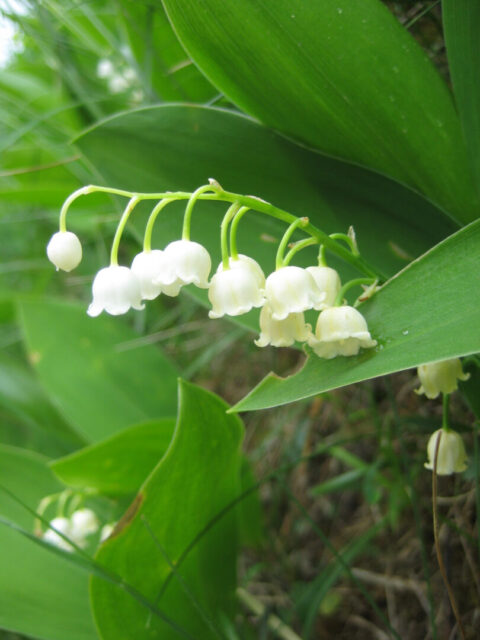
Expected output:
(292, 290)
(452, 457)
(282, 333)
(64, 250)
(186, 262)
(328, 281)
(238, 289)
(340, 331)
(115, 289)
(63, 525)
(440, 377)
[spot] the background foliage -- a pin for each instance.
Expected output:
(350, 113)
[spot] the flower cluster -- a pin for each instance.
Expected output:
(237, 286)
(442, 378)
(78, 528)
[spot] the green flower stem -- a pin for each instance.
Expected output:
(187, 219)
(251, 202)
(132, 203)
(298, 246)
(352, 283)
(231, 212)
(233, 231)
(322, 260)
(348, 240)
(147, 240)
(446, 404)
(298, 222)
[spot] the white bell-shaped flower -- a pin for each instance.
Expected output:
(282, 333)
(236, 290)
(148, 267)
(340, 331)
(115, 289)
(63, 525)
(440, 377)
(292, 290)
(186, 262)
(452, 457)
(106, 531)
(245, 262)
(328, 281)
(64, 250)
(84, 523)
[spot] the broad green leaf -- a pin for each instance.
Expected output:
(344, 77)
(197, 478)
(461, 22)
(42, 427)
(97, 386)
(120, 464)
(166, 69)
(42, 594)
(429, 311)
(180, 147)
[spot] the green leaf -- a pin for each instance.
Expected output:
(96, 385)
(42, 428)
(461, 22)
(197, 478)
(42, 594)
(342, 76)
(179, 147)
(429, 311)
(120, 464)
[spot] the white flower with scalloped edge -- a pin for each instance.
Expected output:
(452, 457)
(64, 250)
(282, 333)
(185, 262)
(115, 290)
(84, 523)
(292, 290)
(238, 289)
(328, 281)
(340, 331)
(440, 377)
(148, 266)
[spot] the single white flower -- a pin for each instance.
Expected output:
(115, 289)
(340, 331)
(148, 266)
(440, 377)
(238, 289)
(186, 262)
(245, 262)
(63, 525)
(328, 281)
(64, 250)
(452, 457)
(282, 333)
(84, 523)
(292, 290)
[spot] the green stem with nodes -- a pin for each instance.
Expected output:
(231, 212)
(187, 219)
(446, 404)
(251, 202)
(353, 283)
(298, 246)
(121, 226)
(298, 222)
(147, 240)
(233, 231)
